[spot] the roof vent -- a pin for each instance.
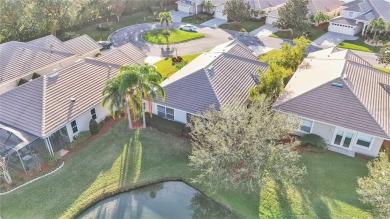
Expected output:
(345, 77)
(210, 68)
(54, 75)
(72, 99)
(335, 84)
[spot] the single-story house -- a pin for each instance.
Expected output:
(356, 16)
(58, 106)
(44, 55)
(222, 76)
(343, 99)
(330, 7)
(190, 6)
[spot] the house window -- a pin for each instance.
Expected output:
(93, 113)
(306, 125)
(350, 14)
(165, 112)
(74, 126)
(364, 140)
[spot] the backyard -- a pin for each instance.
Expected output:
(166, 68)
(247, 25)
(113, 163)
(176, 36)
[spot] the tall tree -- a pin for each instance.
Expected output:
(239, 146)
(147, 85)
(293, 16)
(208, 6)
(117, 7)
(376, 25)
(237, 10)
(384, 55)
(166, 17)
(374, 189)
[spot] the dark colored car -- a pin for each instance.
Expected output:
(105, 44)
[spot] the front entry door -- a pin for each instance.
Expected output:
(343, 138)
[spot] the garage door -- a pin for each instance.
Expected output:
(338, 28)
(219, 14)
(271, 20)
(186, 8)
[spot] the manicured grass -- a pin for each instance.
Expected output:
(314, 34)
(247, 25)
(176, 36)
(383, 69)
(197, 18)
(140, 17)
(166, 68)
(358, 45)
(114, 163)
(275, 53)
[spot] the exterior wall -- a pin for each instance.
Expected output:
(90, 54)
(344, 29)
(179, 115)
(82, 120)
(350, 14)
(270, 19)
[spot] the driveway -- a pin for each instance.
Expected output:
(331, 39)
(265, 30)
(178, 15)
(215, 22)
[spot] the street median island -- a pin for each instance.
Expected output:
(175, 36)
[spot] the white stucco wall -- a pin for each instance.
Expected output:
(179, 115)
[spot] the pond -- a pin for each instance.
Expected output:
(161, 200)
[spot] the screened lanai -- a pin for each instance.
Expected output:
(16, 146)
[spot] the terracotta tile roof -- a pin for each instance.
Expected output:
(362, 104)
(43, 105)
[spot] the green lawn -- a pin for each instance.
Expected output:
(140, 17)
(166, 68)
(247, 25)
(358, 45)
(197, 18)
(113, 163)
(314, 34)
(176, 36)
(383, 69)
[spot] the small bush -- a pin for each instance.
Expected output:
(98, 54)
(107, 118)
(180, 65)
(103, 27)
(22, 81)
(2, 188)
(93, 127)
(35, 75)
(313, 140)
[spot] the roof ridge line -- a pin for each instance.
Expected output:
(358, 57)
(208, 78)
(369, 113)
(43, 127)
(371, 67)
(42, 48)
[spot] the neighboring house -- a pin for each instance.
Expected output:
(44, 56)
(342, 98)
(222, 76)
(190, 6)
(330, 7)
(356, 16)
(56, 107)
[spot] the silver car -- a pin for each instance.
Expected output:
(188, 27)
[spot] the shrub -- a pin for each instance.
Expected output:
(98, 54)
(68, 35)
(22, 81)
(313, 140)
(107, 118)
(35, 75)
(52, 160)
(93, 127)
(180, 65)
(103, 27)
(2, 188)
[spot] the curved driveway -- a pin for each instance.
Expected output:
(133, 34)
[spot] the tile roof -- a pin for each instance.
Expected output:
(342, 20)
(362, 104)
(126, 54)
(19, 59)
(49, 42)
(81, 45)
(323, 5)
(213, 78)
(42, 106)
(381, 8)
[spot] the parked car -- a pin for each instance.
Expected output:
(105, 44)
(188, 27)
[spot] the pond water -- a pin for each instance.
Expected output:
(161, 200)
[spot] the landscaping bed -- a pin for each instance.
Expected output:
(176, 36)
(197, 18)
(113, 163)
(167, 68)
(248, 26)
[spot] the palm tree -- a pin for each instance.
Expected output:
(165, 17)
(376, 25)
(116, 99)
(148, 85)
(208, 5)
(320, 17)
(387, 27)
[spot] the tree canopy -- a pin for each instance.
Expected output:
(237, 10)
(384, 55)
(374, 189)
(293, 16)
(239, 146)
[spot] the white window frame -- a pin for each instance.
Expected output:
(93, 114)
(354, 134)
(75, 126)
(361, 146)
(311, 128)
(165, 113)
(350, 14)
